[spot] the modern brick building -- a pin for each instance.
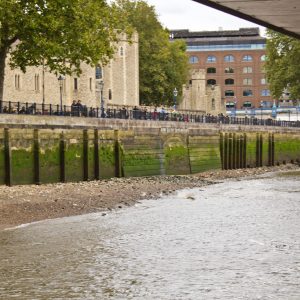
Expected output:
(234, 61)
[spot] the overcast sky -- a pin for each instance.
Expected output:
(187, 14)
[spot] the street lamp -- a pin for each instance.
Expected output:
(101, 86)
(175, 93)
(60, 81)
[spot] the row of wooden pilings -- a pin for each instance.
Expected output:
(62, 155)
(233, 149)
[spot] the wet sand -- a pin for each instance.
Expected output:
(30, 203)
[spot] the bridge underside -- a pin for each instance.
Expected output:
(280, 15)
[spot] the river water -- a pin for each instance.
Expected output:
(233, 240)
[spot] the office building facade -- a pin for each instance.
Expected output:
(233, 60)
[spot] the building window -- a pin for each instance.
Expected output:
(229, 70)
(247, 81)
(109, 94)
(265, 92)
(121, 51)
(98, 72)
(211, 70)
(247, 58)
(211, 81)
(263, 58)
(211, 59)
(263, 81)
(17, 82)
(247, 93)
(36, 82)
(75, 84)
(247, 104)
(247, 70)
(229, 58)
(229, 81)
(229, 93)
(91, 84)
(213, 104)
(193, 59)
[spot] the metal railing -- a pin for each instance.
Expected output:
(8, 107)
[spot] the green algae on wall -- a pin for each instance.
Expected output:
(251, 150)
(22, 157)
(142, 156)
(204, 153)
(106, 159)
(287, 148)
(176, 156)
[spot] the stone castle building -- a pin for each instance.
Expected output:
(120, 79)
(199, 96)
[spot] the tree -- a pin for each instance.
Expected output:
(163, 64)
(282, 65)
(57, 33)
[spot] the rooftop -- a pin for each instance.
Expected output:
(242, 32)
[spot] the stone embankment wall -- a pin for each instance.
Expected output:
(36, 149)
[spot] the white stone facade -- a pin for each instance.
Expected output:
(199, 96)
(120, 77)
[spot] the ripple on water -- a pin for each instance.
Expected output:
(234, 240)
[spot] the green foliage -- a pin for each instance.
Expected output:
(58, 33)
(282, 65)
(163, 64)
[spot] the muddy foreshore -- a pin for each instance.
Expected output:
(25, 204)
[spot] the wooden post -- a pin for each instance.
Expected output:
(260, 150)
(245, 151)
(234, 151)
(226, 152)
(36, 156)
(96, 154)
(272, 150)
(257, 152)
(222, 149)
(118, 157)
(230, 156)
(62, 149)
(7, 158)
(85, 155)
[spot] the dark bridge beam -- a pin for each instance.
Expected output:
(280, 15)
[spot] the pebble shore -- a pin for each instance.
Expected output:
(30, 203)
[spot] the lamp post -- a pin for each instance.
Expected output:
(101, 86)
(175, 93)
(60, 81)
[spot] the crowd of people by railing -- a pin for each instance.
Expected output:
(77, 109)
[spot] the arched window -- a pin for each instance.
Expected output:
(229, 58)
(193, 59)
(211, 59)
(247, 58)
(98, 72)
(229, 81)
(213, 104)
(247, 93)
(265, 92)
(247, 81)
(211, 81)
(263, 58)
(229, 93)
(121, 51)
(211, 70)
(247, 70)
(109, 94)
(229, 70)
